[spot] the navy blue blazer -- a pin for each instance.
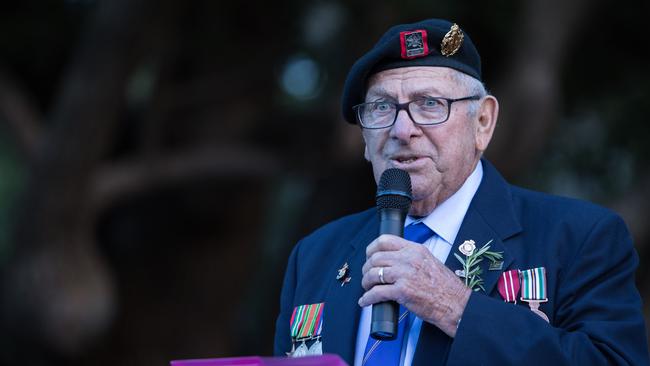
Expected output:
(593, 304)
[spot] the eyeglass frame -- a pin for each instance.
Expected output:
(405, 106)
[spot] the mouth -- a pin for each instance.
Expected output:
(405, 160)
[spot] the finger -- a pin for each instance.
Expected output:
(373, 278)
(380, 259)
(377, 294)
(407, 255)
(385, 242)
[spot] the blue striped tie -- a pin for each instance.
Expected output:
(387, 353)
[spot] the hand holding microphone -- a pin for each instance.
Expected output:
(399, 270)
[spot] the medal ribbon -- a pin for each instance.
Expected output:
(305, 320)
(296, 320)
(533, 284)
(509, 285)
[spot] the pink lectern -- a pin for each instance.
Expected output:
(324, 360)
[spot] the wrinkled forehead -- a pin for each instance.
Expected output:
(415, 80)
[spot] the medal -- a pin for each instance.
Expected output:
(316, 348)
(534, 307)
(306, 324)
(509, 285)
(301, 351)
(293, 349)
(533, 289)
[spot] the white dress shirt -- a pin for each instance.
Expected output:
(445, 221)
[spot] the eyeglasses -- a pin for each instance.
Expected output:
(422, 111)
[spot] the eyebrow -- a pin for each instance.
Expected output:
(382, 92)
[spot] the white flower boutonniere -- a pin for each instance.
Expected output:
(471, 270)
(467, 247)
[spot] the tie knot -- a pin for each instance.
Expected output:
(418, 233)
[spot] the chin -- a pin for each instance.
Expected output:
(418, 196)
(421, 187)
(425, 195)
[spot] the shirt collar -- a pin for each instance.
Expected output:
(445, 220)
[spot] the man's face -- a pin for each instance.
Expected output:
(439, 158)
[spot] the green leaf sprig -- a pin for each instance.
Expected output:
(471, 270)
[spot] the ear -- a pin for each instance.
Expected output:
(486, 121)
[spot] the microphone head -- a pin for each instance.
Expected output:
(394, 190)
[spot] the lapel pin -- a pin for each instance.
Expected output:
(495, 266)
(342, 271)
(343, 274)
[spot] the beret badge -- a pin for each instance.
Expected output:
(452, 41)
(414, 44)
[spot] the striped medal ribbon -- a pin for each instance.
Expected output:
(533, 289)
(509, 285)
(306, 324)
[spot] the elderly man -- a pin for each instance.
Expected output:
(487, 273)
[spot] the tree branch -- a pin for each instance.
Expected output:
(21, 114)
(117, 181)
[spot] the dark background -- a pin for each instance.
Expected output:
(159, 159)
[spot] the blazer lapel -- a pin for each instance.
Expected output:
(341, 313)
(475, 228)
(490, 216)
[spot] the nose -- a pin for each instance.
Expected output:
(404, 128)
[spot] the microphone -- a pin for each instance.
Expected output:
(393, 203)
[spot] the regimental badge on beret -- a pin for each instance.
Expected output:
(452, 41)
(414, 44)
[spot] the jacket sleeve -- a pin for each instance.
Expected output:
(282, 343)
(597, 319)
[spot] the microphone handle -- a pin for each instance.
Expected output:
(384, 314)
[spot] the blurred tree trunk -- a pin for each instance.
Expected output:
(530, 93)
(58, 290)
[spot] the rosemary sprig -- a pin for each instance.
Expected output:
(471, 270)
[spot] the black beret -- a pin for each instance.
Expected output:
(415, 44)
